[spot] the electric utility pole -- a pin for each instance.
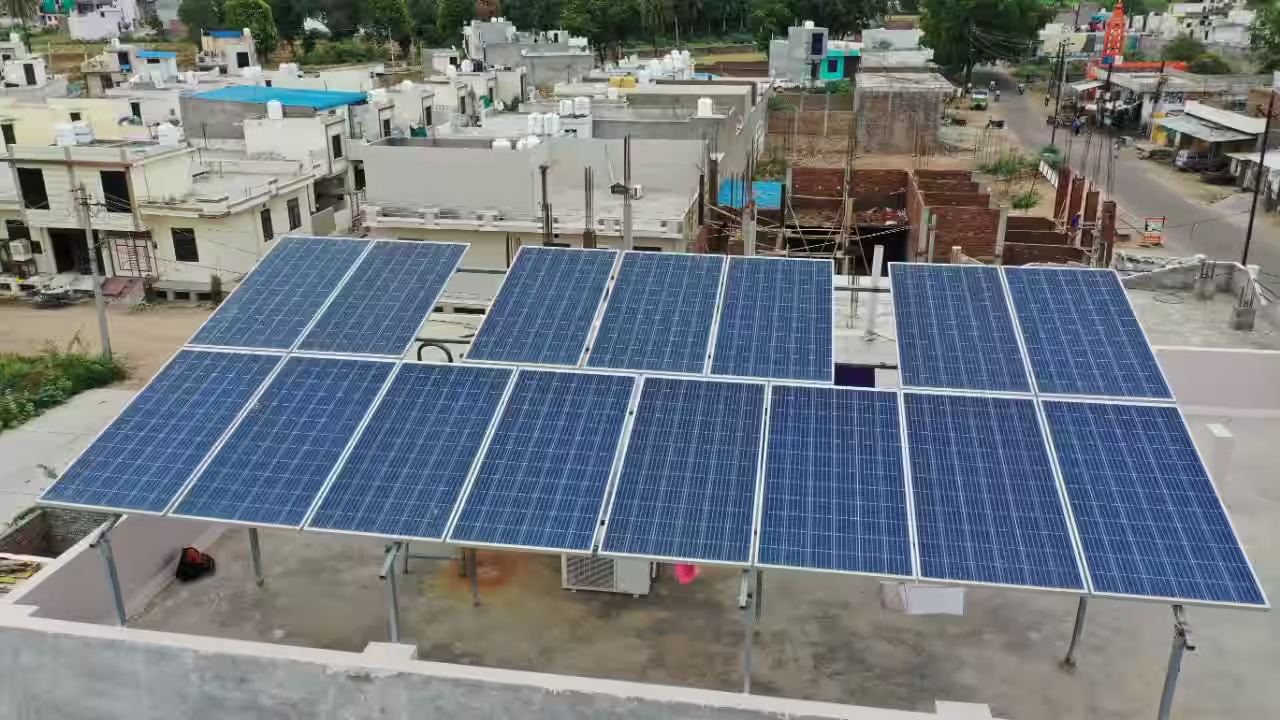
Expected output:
(100, 302)
(1062, 79)
(1262, 176)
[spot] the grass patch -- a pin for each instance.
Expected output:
(714, 57)
(31, 384)
(1010, 165)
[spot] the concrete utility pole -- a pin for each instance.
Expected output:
(82, 203)
(628, 242)
(1261, 178)
(1062, 79)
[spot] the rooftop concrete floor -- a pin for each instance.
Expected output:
(1178, 317)
(822, 636)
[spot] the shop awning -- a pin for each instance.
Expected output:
(1197, 128)
(1086, 85)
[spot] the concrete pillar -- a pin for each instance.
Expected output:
(1000, 230)
(1065, 176)
(1107, 235)
(1089, 220)
(1074, 203)
(1220, 452)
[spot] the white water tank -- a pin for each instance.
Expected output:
(83, 132)
(406, 86)
(706, 108)
(501, 144)
(532, 140)
(536, 125)
(522, 143)
(643, 77)
(808, 24)
(566, 107)
(64, 134)
(666, 67)
(582, 105)
(168, 135)
(552, 124)
(611, 93)
(275, 110)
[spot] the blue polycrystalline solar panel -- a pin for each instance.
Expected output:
(1148, 516)
(835, 491)
(275, 303)
(1081, 334)
(144, 457)
(688, 483)
(405, 473)
(660, 313)
(545, 309)
(955, 329)
(775, 320)
(275, 462)
(382, 305)
(545, 472)
(987, 504)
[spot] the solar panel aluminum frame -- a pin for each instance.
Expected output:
(314, 318)
(457, 503)
(715, 322)
(465, 494)
(1017, 334)
(764, 466)
(1035, 385)
(1266, 602)
(235, 425)
(1063, 502)
(346, 278)
(711, 336)
(604, 293)
(715, 333)
(756, 501)
(279, 354)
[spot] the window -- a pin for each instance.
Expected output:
(107, 82)
(386, 127)
(31, 184)
(556, 244)
(647, 248)
(184, 245)
(18, 230)
(9, 137)
(135, 109)
(335, 142)
(268, 232)
(153, 61)
(268, 83)
(115, 191)
(833, 65)
(75, 117)
(358, 175)
(295, 214)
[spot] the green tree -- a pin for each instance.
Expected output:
(422, 21)
(655, 17)
(769, 18)
(197, 15)
(605, 23)
(290, 16)
(1133, 8)
(341, 17)
(255, 15)
(20, 10)
(533, 14)
(385, 20)
(1264, 36)
(964, 33)
(1210, 64)
(843, 17)
(1183, 48)
(451, 15)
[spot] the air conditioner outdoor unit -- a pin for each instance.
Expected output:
(672, 227)
(627, 576)
(20, 250)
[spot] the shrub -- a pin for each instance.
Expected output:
(30, 384)
(1009, 165)
(1026, 199)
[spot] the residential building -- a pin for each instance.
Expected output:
(1205, 128)
(161, 212)
(120, 62)
(226, 50)
(104, 19)
(1213, 23)
(808, 54)
(548, 57)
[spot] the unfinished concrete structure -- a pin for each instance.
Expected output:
(899, 112)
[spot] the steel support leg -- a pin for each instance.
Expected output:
(1181, 643)
(393, 599)
(759, 599)
(406, 557)
(475, 582)
(748, 628)
(255, 554)
(1077, 633)
(109, 568)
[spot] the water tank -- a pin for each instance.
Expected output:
(666, 67)
(582, 105)
(532, 140)
(552, 124)
(64, 134)
(522, 143)
(406, 86)
(451, 71)
(808, 24)
(643, 77)
(654, 67)
(611, 93)
(168, 135)
(83, 132)
(15, 37)
(275, 110)
(536, 124)
(501, 144)
(566, 107)
(529, 121)
(705, 107)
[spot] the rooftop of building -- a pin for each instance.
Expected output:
(903, 81)
(290, 97)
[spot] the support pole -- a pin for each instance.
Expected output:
(406, 557)
(628, 242)
(1069, 662)
(393, 599)
(547, 233)
(255, 554)
(109, 568)
(877, 262)
(99, 301)
(1181, 643)
(475, 581)
(748, 628)
(1261, 179)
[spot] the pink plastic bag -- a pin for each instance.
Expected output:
(685, 574)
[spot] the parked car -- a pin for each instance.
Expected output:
(978, 100)
(1195, 161)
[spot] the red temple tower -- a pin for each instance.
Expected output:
(1113, 40)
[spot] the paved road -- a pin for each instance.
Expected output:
(1141, 188)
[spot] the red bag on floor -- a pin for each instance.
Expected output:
(193, 564)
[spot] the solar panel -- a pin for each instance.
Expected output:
(380, 308)
(987, 504)
(269, 470)
(687, 489)
(405, 473)
(835, 491)
(544, 311)
(660, 313)
(775, 320)
(144, 457)
(545, 471)
(1150, 521)
(274, 304)
(954, 328)
(1081, 334)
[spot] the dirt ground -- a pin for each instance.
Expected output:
(144, 338)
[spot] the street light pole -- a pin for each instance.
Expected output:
(1261, 178)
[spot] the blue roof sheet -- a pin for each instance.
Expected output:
(224, 33)
(766, 193)
(315, 99)
(156, 54)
